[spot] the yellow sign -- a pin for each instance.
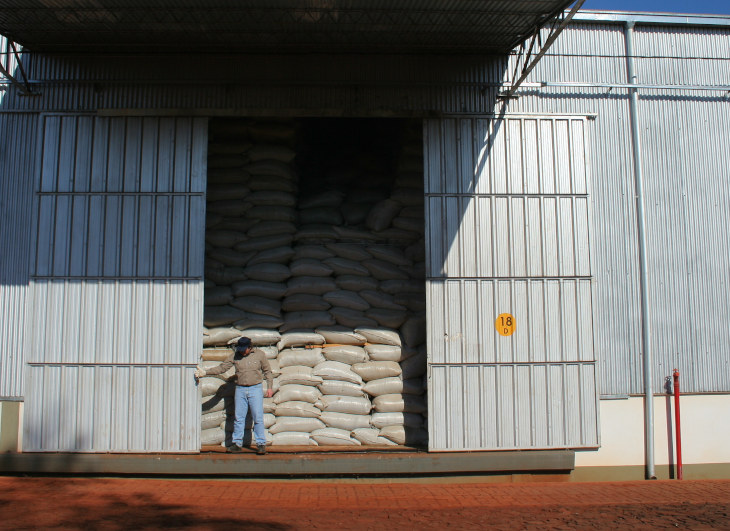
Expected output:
(505, 324)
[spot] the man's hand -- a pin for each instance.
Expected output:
(269, 393)
(199, 372)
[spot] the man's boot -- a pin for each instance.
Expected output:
(261, 449)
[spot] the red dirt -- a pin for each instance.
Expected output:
(92, 503)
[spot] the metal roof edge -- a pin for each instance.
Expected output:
(665, 19)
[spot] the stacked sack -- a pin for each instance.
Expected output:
(331, 285)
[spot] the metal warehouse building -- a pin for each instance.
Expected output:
(587, 202)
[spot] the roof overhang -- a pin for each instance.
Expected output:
(275, 26)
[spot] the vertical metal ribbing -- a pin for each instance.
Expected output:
(643, 282)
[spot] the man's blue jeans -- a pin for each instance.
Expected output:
(251, 397)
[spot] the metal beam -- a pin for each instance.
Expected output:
(528, 63)
(23, 86)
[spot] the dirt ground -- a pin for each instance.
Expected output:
(112, 503)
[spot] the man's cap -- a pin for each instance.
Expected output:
(243, 343)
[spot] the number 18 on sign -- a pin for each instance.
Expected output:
(505, 324)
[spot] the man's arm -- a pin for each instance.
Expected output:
(219, 369)
(268, 375)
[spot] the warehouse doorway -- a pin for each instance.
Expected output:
(315, 250)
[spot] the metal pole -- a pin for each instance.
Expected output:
(641, 234)
(677, 429)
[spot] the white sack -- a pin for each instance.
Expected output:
(356, 282)
(351, 318)
(345, 421)
(383, 270)
(413, 331)
(226, 275)
(300, 302)
(305, 320)
(299, 338)
(382, 214)
(341, 335)
(398, 403)
(292, 438)
(315, 231)
(211, 420)
(390, 253)
(209, 385)
(298, 374)
(402, 435)
(389, 318)
(224, 238)
(218, 296)
(262, 336)
(212, 437)
(300, 393)
(296, 408)
(414, 366)
(338, 387)
(254, 304)
(335, 370)
(301, 356)
(258, 288)
(268, 272)
(276, 255)
(394, 287)
(213, 337)
(349, 354)
(310, 285)
(221, 315)
(271, 228)
(257, 320)
(380, 336)
(350, 251)
(298, 424)
(269, 420)
(379, 299)
(386, 386)
(334, 436)
(315, 252)
(381, 420)
(345, 404)
(376, 370)
(370, 437)
(270, 351)
(229, 257)
(383, 352)
(343, 266)
(309, 267)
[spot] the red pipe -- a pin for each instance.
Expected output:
(677, 430)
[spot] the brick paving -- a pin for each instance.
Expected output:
(113, 503)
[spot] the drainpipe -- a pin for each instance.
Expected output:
(644, 288)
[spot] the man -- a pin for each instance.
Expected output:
(251, 368)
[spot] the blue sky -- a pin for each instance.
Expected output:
(716, 7)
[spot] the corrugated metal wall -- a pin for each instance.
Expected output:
(18, 131)
(117, 285)
(507, 213)
(685, 156)
(685, 160)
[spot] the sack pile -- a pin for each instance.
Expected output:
(329, 282)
